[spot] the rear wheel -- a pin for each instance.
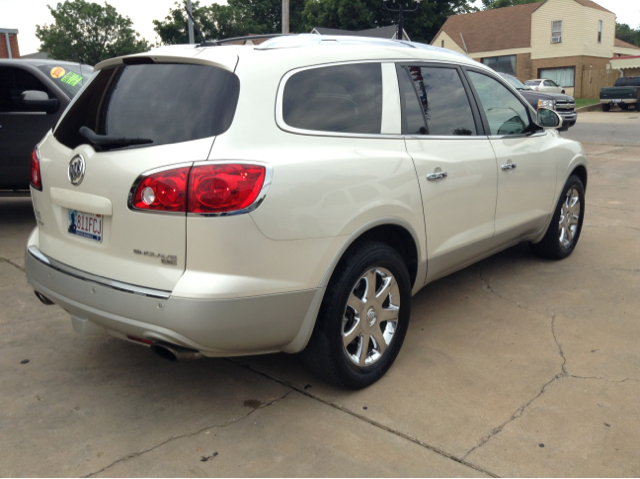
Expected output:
(624, 106)
(363, 318)
(605, 107)
(566, 224)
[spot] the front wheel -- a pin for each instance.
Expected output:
(566, 224)
(363, 318)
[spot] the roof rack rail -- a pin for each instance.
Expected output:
(215, 43)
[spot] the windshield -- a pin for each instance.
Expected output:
(67, 76)
(163, 103)
(517, 84)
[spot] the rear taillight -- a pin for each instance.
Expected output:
(201, 189)
(36, 179)
(162, 191)
(224, 188)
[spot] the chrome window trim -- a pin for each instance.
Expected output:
(91, 278)
(268, 178)
(379, 136)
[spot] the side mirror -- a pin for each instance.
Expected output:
(34, 100)
(548, 119)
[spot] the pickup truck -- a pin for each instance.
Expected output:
(625, 92)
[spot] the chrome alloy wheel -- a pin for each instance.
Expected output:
(371, 317)
(569, 218)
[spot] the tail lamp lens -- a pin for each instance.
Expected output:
(36, 179)
(224, 188)
(164, 191)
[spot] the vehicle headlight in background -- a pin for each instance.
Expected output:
(548, 104)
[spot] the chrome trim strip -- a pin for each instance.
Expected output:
(84, 276)
(268, 178)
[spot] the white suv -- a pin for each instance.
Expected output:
(233, 200)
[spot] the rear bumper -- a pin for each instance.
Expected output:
(629, 101)
(216, 327)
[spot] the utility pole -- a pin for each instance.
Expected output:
(190, 23)
(285, 16)
(400, 10)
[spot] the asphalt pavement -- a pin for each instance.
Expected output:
(615, 127)
(515, 366)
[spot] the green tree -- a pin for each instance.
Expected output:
(421, 25)
(88, 32)
(626, 33)
(490, 4)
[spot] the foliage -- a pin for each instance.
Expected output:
(626, 33)
(243, 17)
(491, 4)
(87, 32)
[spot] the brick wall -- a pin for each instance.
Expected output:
(524, 71)
(15, 49)
(581, 63)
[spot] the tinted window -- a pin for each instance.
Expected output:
(505, 113)
(435, 102)
(69, 78)
(166, 103)
(532, 83)
(345, 98)
(14, 81)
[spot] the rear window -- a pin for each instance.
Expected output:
(165, 103)
(69, 78)
(531, 83)
(341, 99)
(634, 81)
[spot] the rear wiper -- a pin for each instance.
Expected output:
(110, 141)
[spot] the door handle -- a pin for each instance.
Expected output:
(509, 166)
(436, 176)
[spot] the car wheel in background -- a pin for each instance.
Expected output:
(624, 106)
(605, 107)
(566, 224)
(363, 318)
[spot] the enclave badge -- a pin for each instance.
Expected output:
(75, 172)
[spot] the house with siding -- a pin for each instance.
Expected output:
(571, 42)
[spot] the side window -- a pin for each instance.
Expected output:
(344, 99)
(435, 102)
(14, 81)
(505, 113)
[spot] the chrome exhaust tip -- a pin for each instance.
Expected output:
(175, 353)
(43, 299)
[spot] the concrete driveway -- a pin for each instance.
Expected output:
(516, 366)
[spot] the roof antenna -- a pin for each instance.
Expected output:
(197, 27)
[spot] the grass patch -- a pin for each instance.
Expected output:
(580, 102)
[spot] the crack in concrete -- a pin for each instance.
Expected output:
(8, 261)
(200, 431)
(369, 421)
(610, 208)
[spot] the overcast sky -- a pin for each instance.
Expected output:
(26, 14)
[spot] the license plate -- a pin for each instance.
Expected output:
(86, 225)
(616, 101)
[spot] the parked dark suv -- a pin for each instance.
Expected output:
(33, 95)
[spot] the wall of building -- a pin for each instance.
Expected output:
(579, 30)
(625, 52)
(448, 43)
(13, 41)
(580, 63)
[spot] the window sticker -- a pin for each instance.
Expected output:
(57, 72)
(71, 78)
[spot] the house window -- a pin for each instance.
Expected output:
(556, 31)
(442, 43)
(600, 31)
(505, 64)
(564, 76)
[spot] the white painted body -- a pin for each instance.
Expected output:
(327, 191)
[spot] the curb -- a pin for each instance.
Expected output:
(585, 109)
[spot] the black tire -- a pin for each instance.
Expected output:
(624, 106)
(326, 354)
(605, 107)
(554, 245)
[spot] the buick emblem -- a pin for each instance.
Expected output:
(75, 172)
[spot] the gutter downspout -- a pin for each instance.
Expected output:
(621, 72)
(464, 43)
(6, 36)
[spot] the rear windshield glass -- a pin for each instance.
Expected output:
(345, 98)
(69, 78)
(634, 81)
(165, 103)
(531, 83)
